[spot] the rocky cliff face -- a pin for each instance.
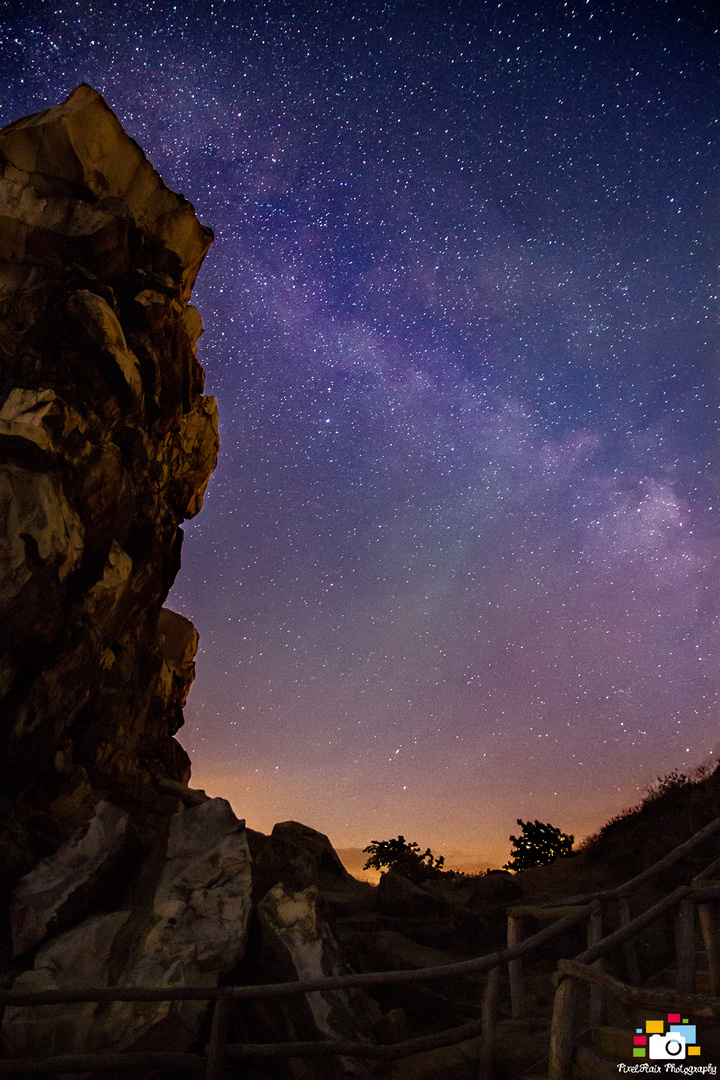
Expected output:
(106, 445)
(112, 870)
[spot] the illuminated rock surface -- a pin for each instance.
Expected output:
(106, 444)
(182, 923)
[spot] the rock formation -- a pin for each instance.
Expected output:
(113, 872)
(106, 444)
(183, 922)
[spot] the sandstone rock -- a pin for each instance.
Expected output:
(390, 951)
(199, 449)
(185, 925)
(193, 324)
(65, 886)
(104, 602)
(79, 149)
(497, 887)
(315, 842)
(107, 443)
(299, 857)
(21, 849)
(178, 640)
(34, 424)
(427, 1007)
(188, 796)
(298, 944)
(99, 328)
(397, 895)
(79, 957)
(38, 524)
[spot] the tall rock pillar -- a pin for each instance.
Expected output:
(106, 444)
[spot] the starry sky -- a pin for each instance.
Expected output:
(458, 562)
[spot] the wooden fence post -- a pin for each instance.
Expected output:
(686, 946)
(562, 1032)
(631, 960)
(218, 1035)
(594, 935)
(515, 972)
(708, 924)
(486, 1069)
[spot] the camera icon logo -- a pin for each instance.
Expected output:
(668, 1047)
(671, 1040)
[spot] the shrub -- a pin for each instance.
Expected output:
(538, 845)
(403, 857)
(662, 788)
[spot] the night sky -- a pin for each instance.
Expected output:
(458, 562)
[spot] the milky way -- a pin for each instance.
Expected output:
(457, 564)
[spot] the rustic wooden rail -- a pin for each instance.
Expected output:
(575, 910)
(219, 1052)
(76, 995)
(519, 913)
(585, 968)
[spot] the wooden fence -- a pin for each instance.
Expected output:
(584, 968)
(518, 915)
(577, 910)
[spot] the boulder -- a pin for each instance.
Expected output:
(297, 943)
(497, 887)
(313, 841)
(397, 895)
(82, 956)
(184, 924)
(297, 856)
(64, 887)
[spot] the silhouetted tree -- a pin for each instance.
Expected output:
(403, 857)
(539, 844)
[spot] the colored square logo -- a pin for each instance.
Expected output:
(688, 1030)
(670, 1040)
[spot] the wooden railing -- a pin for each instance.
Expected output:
(518, 914)
(219, 1053)
(585, 967)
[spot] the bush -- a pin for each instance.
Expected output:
(403, 857)
(538, 845)
(662, 789)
